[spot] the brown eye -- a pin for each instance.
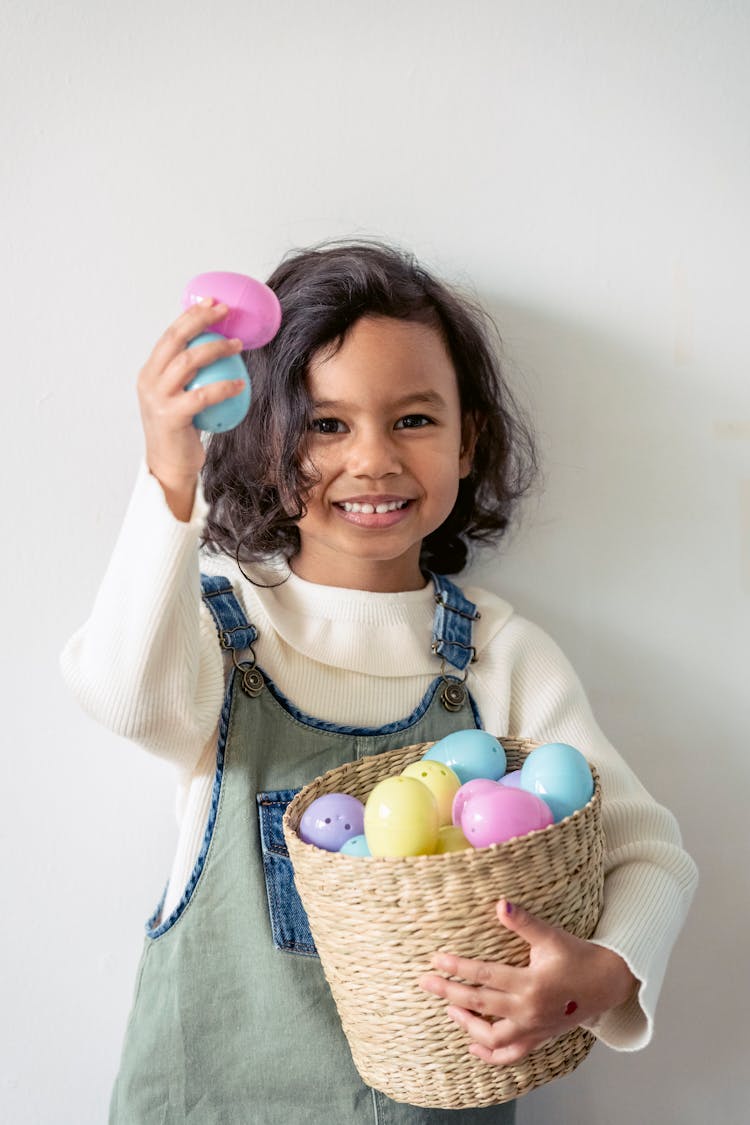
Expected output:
(326, 426)
(414, 422)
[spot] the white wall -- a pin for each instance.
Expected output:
(586, 166)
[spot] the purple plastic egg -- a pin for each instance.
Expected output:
(494, 817)
(331, 820)
(467, 790)
(512, 779)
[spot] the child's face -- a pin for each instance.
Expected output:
(387, 430)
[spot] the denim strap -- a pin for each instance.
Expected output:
(233, 628)
(452, 625)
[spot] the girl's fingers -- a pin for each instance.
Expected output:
(500, 1041)
(504, 1056)
(195, 320)
(494, 974)
(186, 364)
(485, 1001)
(190, 403)
(490, 1034)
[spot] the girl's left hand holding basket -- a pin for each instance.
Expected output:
(510, 1010)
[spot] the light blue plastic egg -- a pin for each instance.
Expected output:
(560, 775)
(224, 415)
(355, 845)
(470, 754)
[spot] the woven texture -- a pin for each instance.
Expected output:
(377, 921)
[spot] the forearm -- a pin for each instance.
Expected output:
(146, 663)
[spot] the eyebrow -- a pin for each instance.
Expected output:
(419, 398)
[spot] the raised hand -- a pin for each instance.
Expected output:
(508, 1010)
(174, 451)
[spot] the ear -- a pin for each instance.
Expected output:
(470, 430)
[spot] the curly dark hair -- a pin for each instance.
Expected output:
(254, 476)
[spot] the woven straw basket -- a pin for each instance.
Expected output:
(377, 921)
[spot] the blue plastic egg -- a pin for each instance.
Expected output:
(229, 413)
(560, 775)
(355, 845)
(470, 754)
(332, 819)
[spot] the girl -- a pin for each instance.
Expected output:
(317, 624)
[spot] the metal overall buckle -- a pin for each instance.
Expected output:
(452, 694)
(252, 679)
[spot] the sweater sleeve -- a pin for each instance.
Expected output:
(146, 663)
(649, 880)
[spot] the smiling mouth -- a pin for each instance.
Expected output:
(373, 509)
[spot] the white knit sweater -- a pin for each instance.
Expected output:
(148, 666)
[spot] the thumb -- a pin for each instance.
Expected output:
(532, 929)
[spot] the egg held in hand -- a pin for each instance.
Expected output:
(254, 317)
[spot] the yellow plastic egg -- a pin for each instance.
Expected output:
(401, 818)
(442, 782)
(451, 839)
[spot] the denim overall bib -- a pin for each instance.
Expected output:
(232, 1021)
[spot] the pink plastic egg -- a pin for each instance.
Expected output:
(332, 819)
(494, 817)
(254, 311)
(467, 790)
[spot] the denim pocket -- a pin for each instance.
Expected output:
(289, 926)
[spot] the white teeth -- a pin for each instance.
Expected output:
(370, 509)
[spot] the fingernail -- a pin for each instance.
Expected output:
(508, 907)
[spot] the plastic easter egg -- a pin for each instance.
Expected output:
(470, 754)
(494, 817)
(401, 818)
(224, 415)
(560, 775)
(478, 785)
(254, 311)
(440, 780)
(332, 819)
(512, 779)
(451, 839)
(355, 845)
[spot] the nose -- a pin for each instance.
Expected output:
(374, 454)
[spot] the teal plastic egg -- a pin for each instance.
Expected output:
(560, 775)
(470, 754)
(229, 413)
(355, 845)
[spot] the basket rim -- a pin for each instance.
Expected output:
(513, 743)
